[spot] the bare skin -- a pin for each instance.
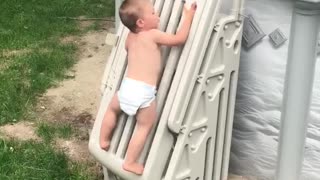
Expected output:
(109, 122)
(144, 58)
(144, 64)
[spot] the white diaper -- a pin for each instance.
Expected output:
(135, 94)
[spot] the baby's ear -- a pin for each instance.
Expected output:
(140, 23)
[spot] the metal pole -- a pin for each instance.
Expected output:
(298, 89)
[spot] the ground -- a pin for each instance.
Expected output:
(75, 100)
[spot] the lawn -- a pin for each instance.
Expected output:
(32, 59)
(31, 55)
(34, 160)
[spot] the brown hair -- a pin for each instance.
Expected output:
(129, 12)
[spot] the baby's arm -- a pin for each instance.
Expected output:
(181, 36)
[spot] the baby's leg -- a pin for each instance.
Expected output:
(109, 122)
(145, 120)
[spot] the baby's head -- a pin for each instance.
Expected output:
(138, 15)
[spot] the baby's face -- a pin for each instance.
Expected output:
(150, 17)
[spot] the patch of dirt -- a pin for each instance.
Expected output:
(21, 131)
(76, 100)
(77, 151)
(6, 54)
(70, 39)
(73, 101)
(85, 24)
(9, 53)
(74, 149)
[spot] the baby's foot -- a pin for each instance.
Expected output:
(134, 168)
(105, 145)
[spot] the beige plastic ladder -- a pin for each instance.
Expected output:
(192, 137)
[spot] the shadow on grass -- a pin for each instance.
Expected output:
(34, 160)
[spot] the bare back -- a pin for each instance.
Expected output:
(144, 59)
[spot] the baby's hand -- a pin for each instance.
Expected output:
(190, 12)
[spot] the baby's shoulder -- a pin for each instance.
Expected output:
(153, 32)
(150, 33)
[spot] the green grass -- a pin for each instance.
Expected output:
(50, 131)
(32, 160)
(33, 29)
(29, 75)
(25, 22)
(32, 59)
